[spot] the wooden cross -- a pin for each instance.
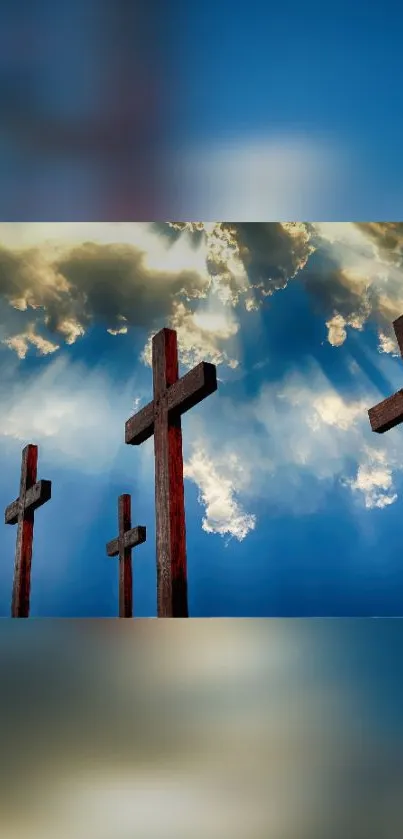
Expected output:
(33, 494)
(122, 546)
(389, 413)
(162, 417)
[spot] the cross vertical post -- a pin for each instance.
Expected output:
(122, 547)
(173, 396)
(389, 413)
(32, 495)
(169, 490)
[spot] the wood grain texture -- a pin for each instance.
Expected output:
(387, 414)
(122, 546)
(168, 494)
(140, 427)
(135, 536)
(192, 388)
(37, 495)
(398, 328)
(172, 397)
(21, 512)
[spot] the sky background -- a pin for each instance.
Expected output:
(292, 503)
(114, 110)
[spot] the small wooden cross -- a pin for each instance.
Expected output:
(162, 417)
(122, 546)
(33, 494)
(389, 413)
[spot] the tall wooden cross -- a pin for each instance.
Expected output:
(389, 413)
(33, 494)
(122, 547)
(162, 417)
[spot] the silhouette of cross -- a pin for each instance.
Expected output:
(33, 494)
(162, 418)
(389, 413)
(122, 546)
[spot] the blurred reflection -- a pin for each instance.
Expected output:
(214, 728)
(95, 126)
(81, 87)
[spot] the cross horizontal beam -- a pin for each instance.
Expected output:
(132, 538)
(387, 414)
(140, 427)
(37, 495)
(181, 396)
(192, 388)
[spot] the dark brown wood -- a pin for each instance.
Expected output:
(122, 546)
(398, 327)
(389, 413)
(184, 394)
(162, 418)
(32, 495)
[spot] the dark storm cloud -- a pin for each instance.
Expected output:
(107, 283)
(172, 231)
(113, 280)
(387, 236)
(360, 282)
(112, 284)
(349, 283)
(272, 253)
(332, 290)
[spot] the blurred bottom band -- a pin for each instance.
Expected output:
(277, 728)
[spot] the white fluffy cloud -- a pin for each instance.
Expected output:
(77, 414)
(22, 341)
(202, 334)
(284, 451)
(374, 479)
(219, 482)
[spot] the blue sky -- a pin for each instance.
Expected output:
(292, 503)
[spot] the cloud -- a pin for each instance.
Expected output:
(74, 412)
(183, 273)
(352, 272)
(288, 446)
(387, 237)
(358, 278)
(93, 283)
(330, 409)
(337, 332)
(218, 483)
(69, 285)
(284, 451)
(125, 276)
(202, 334)
(248, 260)
(21, 343)
(374, 480)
